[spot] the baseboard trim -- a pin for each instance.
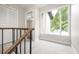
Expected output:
(7, 43)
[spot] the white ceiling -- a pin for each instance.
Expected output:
(27, 6)
(22, 5)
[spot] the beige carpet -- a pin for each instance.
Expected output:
(44, 47)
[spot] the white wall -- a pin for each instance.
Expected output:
(37, 24)
(75, 27)
(35, 20)
(21, 17)
(10, 17)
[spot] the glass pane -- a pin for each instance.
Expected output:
(64, 19)
(54, 21)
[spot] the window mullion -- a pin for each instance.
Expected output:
(69, 20)
(60, 22)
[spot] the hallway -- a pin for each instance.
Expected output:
(49, 22)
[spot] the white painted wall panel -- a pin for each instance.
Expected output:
(75, 27)
(3, 17)
(12, 18)
(8, 18)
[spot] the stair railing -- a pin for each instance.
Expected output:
(17, 42)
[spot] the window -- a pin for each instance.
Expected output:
(58, 20)
(54, 19)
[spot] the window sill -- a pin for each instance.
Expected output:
(62, 34)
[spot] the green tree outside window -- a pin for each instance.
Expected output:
(55, 20)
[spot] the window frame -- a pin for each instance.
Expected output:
(69, 23)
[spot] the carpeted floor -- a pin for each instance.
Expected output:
(44, 47)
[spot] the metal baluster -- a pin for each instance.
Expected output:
(31, 42)
(16, 40)
(2, 42)
(13, 37)
(20, 43)
(24, 45)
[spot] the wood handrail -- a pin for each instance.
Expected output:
(11, 48)
(16, 28)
